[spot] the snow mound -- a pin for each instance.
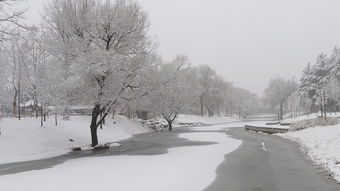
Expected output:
(313, 123)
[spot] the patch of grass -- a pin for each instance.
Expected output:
(330, 121)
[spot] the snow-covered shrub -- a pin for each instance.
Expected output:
(313, 123)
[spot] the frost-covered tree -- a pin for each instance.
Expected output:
(293, 103)
(334, 64)
(230, 95)
(104, 46)
(206, 78)
(278, 91)
(210, 89)
(244, 101)
(10, 19)
(321, 71)
(316, 77)
(14, 53)
(34, 62)
(50, 90)
(173, 92)
(306, 81)
(214, 100)
(332, 90)
(4, 75)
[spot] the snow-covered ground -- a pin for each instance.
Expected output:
(26, 140)
(182, 168)
(310, 116)
(322, 145)
(299, 118)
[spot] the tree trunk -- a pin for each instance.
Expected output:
(281, 111)
(66, 114)
(36, 109)
(35, 102)
(14, 108)
(15, 103)
(101, 124)
(324, 104)
(129, 112)
(93, 126)
(42, 118)
(169, 124)
(210, 113)
(56, 119)
(94, 137)
(201, 104)
(231, 110)
(291, 111)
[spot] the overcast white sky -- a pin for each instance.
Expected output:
(246, 41)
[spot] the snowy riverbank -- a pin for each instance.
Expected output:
(26, 140)
(322, 145)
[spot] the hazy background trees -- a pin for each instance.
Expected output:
(278, 91)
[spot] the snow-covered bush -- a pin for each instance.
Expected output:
(313, 123)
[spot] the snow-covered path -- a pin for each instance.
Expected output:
(268, 163)
(182, 160)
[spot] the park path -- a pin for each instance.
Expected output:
(268, 163)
